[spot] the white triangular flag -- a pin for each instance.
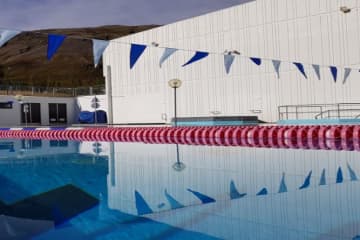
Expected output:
(167, 53)
(317, 70)
(276, 64)
(7, 35)
(346, 74)
(99, 47)
(228, 61)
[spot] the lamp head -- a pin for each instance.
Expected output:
(175, 83)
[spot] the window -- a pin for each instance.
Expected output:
(6, 105)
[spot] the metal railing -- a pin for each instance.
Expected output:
(51, 91)
(319, 111)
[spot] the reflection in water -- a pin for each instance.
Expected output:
(232, 193)
(223, 192)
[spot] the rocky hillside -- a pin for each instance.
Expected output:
(23, 59)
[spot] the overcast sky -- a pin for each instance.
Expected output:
(40, 14)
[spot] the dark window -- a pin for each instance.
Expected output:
(6, 105)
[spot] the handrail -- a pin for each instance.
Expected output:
(320, 110)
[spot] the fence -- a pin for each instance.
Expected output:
(51, 91)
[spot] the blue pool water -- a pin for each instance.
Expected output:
(98, 190)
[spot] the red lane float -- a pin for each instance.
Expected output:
(337, 137)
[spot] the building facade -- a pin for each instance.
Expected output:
(305, 31)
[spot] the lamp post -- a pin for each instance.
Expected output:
(175, 84)
(178, 166)
(95, 105)
(20, 99)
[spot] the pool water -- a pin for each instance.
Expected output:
(102, 190)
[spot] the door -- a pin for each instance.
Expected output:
(57, 113)
(30, 113)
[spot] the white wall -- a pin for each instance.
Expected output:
(12, 117)
(308, 31)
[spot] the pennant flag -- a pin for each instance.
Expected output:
(99, 47)
(322, 178)
(301, 68)
(317, 70)
(142, 206)
(172, 201)
(135, 52)
(198, 56)
(167, 53)
(263, 191)
(276, 64)
(228, 61)
(352, 173)
(333, 70)
(346, 74)
(255, 60)
(234, 193)
(339, 176)
(203, 198)
(306, 183)
(283, 187)
(7, 35)
(54, 42)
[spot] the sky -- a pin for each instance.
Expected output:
(44, 14)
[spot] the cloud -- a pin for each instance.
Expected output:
(41, 14)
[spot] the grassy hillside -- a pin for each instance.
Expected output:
(23, 59)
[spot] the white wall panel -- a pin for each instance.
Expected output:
(308, 31)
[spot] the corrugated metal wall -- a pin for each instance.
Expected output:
(307, 31)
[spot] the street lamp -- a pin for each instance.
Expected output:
(175, 83)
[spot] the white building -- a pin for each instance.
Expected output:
(305, 31)
(46, 111)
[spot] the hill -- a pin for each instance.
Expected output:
(23, 59)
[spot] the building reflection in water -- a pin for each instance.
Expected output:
(228, 192)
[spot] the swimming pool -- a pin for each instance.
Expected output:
(169, 191)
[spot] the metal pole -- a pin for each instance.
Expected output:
(175, 112)
(95, 111)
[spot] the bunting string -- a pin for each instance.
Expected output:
(136, 50)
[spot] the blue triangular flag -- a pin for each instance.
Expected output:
(339, 176)
(333, 70)
(203, 198)
(228, 61)
(142, 206)
(172, 201)
(54, 42)
(167, 53)
(99, 47)
(198, 56)
(234, 193)
(255, 60)
(301, 68)
(276, 64)
(262, 192)
(306, 183)
(317, 70)
(283, 187)
(322, 178)
(352, 173)
(135, 52)
(346, 74)
(7, 35)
